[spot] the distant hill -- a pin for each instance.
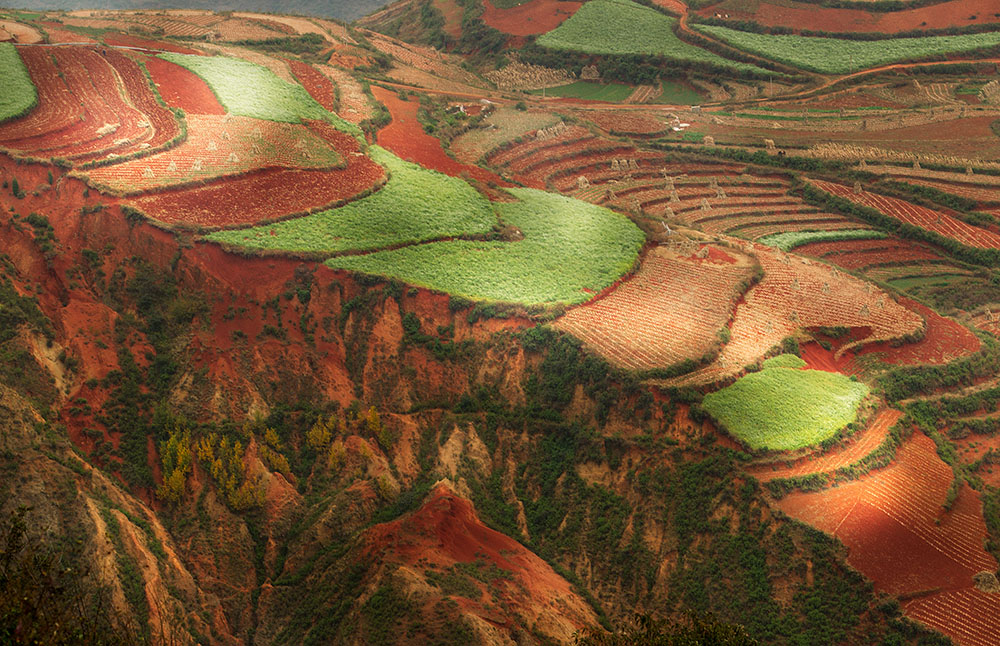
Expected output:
(348, 10)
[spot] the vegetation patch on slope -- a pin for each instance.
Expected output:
(786, 408)
(17, 92)
(624, 27)
(840, 56)
(250, 90)
(570, 251)
(415, 205)
(788, 240)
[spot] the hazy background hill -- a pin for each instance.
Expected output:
(342, 9)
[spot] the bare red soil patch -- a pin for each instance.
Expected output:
(899, 535)
(863, 443)
(957, 13)
(671, 310)
(944, 340)
(318, 85)
(406, 137)
(270, 194)
(446, 531)
(57, 34)
(127, 40)
(535, 17)
(182, 89)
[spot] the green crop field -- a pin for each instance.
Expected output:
(415, 205)
(624, 27)
(839, 56)
(570, 251)
(17, 92)
(250, 90)
(786, 408)
(785, 361)
(790, 239)
(612, 92)
(673, 92)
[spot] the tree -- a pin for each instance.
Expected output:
(696, 630)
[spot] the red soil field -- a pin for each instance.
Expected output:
(798, 293)
(406, 138)
(898, 534)
(857, 259)
(935, 221)
(55, 110)
(318, 86)
(535, 17)
(841, 250)
(623, 122)
(270, 194)
(182, 89)
(140, 94)
(864, 442)
(446, 530)
(956, 13)
(127, 40)
(81, 113)
(671, 310)
(57, 34)
(944, 340)
(219, 146)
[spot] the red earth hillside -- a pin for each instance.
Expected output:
(535, 17)
(446, 531)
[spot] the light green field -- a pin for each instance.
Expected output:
(791, 239)
(611, 92)
(624, 27)
(570, 251)
(785, 361)
(250, 90)
(17, 92)
(840, 56)
(786, 408)
(415, 205)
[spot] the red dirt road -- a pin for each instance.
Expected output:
(406, 138)
(535, 17)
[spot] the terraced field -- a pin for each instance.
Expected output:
(797, 293)
(841, 56)
(672, 310)
(82, 114)
(897, 534)
(570, 251)
(919, 216)
(414, 206)
(625, 27)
